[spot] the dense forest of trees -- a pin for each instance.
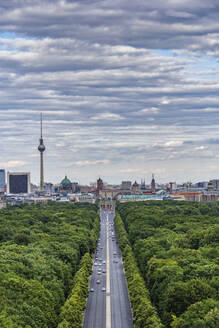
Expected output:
(45, 260)
(144, 313)
(177, 251)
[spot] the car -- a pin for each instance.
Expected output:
(98, 281)
(95, 264)
(103, 289)
(104, 262)
(104, 270)
(115, 261)
(91, 289)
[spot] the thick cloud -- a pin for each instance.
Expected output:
(126, 88)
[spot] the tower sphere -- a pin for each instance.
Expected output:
(41, 148)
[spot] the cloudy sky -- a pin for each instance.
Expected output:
(126, 88)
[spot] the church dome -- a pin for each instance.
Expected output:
(66, 182)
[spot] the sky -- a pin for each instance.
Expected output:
(126, 88)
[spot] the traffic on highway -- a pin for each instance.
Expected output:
(108, 303)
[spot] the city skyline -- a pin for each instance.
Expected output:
(126, 89)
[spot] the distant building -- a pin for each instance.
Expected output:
(66, 185)
(49, 188)
(215, 183)
(195, 196)
(85, 189)
(109, 186)
(153, 187)
(172, 186)
(210, 185)
(75, 187)
(108, 193)
(33, 188)
(203, 184)
(143, 186)
(138, 198)
(99, 185)
(18, 183)
(126, 185)
(2, 180)
(82, 198)
(191, 196)
(210, 196)
(135, 186)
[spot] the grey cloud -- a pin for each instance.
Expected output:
(213, 141)
(164, 25)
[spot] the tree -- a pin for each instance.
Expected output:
(204, 314)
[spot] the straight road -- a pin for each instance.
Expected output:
(108, 303)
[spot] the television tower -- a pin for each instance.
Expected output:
(41, 149)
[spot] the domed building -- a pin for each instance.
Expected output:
(66, 184)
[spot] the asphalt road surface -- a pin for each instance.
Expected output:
(108, 303)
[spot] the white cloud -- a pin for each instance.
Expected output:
(211, 109)
(200, 148)
(12, 164)
(165, 101)
(153, 110)
(88, 163)
(130, 170)
(173, 143)
(107, 116)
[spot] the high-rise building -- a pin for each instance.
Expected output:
(2, 180)
(41, 149)
(153, 186)
(18, 182)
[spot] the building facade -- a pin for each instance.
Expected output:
(18, 183)
(2, 180)
(126, 185)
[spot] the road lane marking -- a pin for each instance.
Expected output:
(108, 298)
(108, 312)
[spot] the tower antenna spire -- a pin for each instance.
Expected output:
(41, 125)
